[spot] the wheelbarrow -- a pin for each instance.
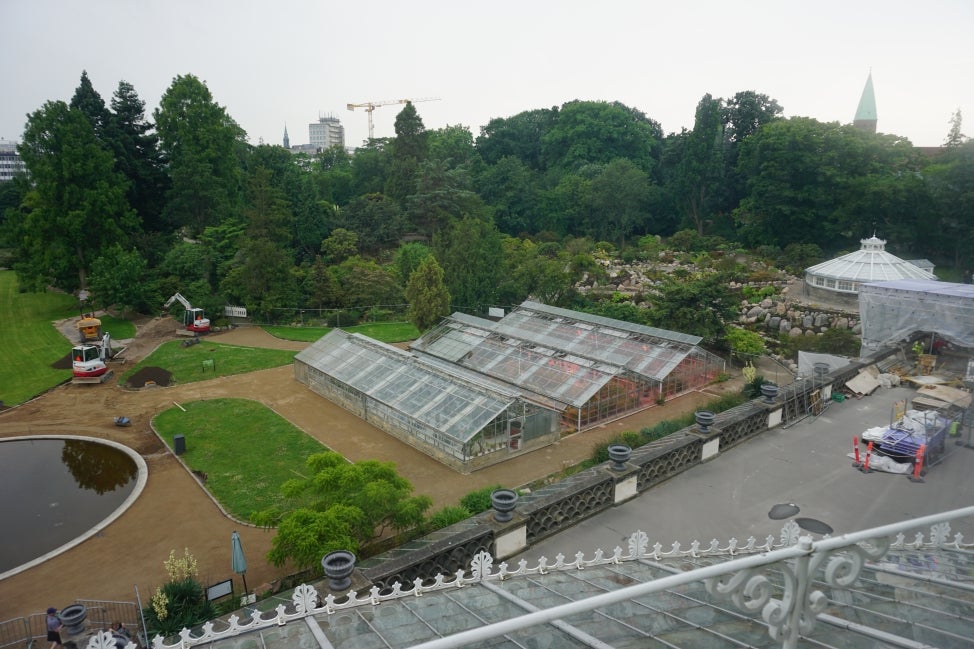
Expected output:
(122, 421)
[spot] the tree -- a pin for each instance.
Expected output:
(376, 220)
(620, 196)
(340, 505)
(363, 282)
(800, 172)
(117, 277)
(87, 100)
(511, 189)
(77, 206)
(519, 136)
(587, 132)
(955, 137)
(469, 251)
(137, 156)
(453, 145)
(264, 280)
(699, 179)
(408, 257)
(701, 306)
(339, 245)
(409, 149)
(427, 296)
(201, 142)
(442, 194)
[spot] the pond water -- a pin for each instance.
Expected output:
(54, 490)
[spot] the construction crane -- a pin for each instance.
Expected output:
(369, 106)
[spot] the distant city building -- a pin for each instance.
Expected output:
(865, 118)
(326, 133)
(10, 162)
(287, 140)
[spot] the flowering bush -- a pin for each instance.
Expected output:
(180, 603)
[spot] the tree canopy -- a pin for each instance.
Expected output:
(188, 203)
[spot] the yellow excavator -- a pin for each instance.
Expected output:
(89, 328)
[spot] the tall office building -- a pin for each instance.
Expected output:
(10, 162)
(326, 133)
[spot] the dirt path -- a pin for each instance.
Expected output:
(175, 512)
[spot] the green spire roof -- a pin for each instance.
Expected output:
(866, 112)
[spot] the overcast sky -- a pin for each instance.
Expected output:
(285, 62)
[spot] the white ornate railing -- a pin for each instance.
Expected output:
(797, 557)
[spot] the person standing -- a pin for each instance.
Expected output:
(54, 626)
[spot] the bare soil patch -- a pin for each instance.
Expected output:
(63, 363)
(149, 376)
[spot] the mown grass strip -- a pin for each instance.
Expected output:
(191, 363)
(32, 343)
(242, 449)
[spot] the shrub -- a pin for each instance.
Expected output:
(447, 516)
(479, 500)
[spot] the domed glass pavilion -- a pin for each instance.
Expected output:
(838, 280)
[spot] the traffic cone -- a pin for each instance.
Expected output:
(855, 448)
(869, 451)
(918, 464)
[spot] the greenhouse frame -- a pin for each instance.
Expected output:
(595, 369)
(455, 416)
(472, 391)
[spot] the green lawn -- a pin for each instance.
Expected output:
(189, 364)
(387, 332)
(245, 458)
(118, 328)
(32, 343)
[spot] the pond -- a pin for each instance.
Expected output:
(57, 491)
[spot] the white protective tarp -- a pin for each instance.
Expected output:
(892, 311)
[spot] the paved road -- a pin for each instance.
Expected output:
(804, 464)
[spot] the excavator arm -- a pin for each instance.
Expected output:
(180, 298)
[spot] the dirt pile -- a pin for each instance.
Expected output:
(150, 376)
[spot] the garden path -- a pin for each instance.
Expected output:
(174, 512)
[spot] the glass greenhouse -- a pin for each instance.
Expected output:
(455, 416)
(592, 368)
(472, 391)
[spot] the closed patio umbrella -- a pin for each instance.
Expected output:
(238, 560)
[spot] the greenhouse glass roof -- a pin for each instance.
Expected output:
(470, 342)
(444, 402)
(871, 263)
(646, 351)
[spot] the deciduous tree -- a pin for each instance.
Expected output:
(340, 505)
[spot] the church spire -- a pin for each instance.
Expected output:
(287, 142)
(865, 118)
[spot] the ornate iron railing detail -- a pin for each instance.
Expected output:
(739, 579)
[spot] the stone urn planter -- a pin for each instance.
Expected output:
(503, 501)
(769, 391)
(73, 618)
(705, 419)
(619, 454)
(338, 566)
